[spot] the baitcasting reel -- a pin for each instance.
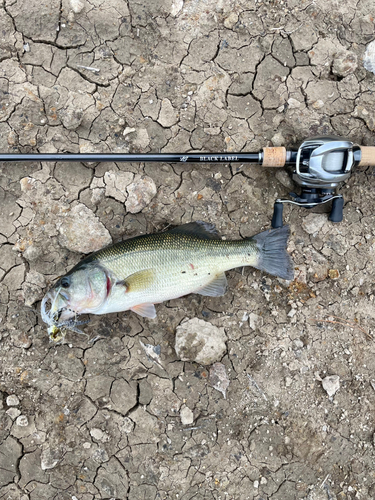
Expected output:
(321, 165)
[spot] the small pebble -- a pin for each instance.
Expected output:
(331, 384)
(13, 413)
(187, 416)
(22, 421)
(13, 400)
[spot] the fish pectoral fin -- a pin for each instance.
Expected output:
(217, 287)
(145, 310)
(138, 281)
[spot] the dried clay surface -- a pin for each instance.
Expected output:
(287, 409)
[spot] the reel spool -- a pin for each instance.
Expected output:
(322, 164)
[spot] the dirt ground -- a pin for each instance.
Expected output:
(94, 417)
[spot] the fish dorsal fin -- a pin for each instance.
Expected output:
(216, 288)
(138, 281)
(145, 310)
(199, 228)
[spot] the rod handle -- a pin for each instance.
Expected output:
(367, 156)
(274, 157)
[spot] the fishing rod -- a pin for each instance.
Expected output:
(320, 165)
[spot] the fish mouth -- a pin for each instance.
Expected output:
(54, 303)
(58, 316)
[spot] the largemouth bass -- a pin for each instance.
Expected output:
(139, 272)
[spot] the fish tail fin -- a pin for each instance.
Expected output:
(274, 258)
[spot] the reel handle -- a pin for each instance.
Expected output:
(367, 156)
(277, 218)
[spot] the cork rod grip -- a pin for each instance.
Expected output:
(367, 156)
(275, 157)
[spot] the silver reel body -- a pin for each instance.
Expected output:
(324, 162)
(321, 165)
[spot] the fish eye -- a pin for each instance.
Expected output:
(65, 282)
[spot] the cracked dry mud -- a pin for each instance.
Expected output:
(98, 420)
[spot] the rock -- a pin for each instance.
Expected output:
(99, 435)
(128, 130)
(293, 103)
(255, 321)
(168, 116)
(200, 341)
(331, 384)
(187, 416)
(127, 425)
(77, 6)
(140, 193)
(369, 57)
(344, 63)
(278, 140)
(313, 223)
(176, 7)
(71, 117)
(22, 421)
(283, 177)
(218, 378)
(49, 459)
(334, 274)
(81, 231)
(116, 184)
(12, 400)
(32, 253)
(231, 20)
(13, 412)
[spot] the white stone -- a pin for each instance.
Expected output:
(97, 434)
(12, 400)
(200, 341)
(128, 130)
(22, 421)
(331, 384)
(293, 103)
(231, 20)
(140, 193)
(13, 413)
(255, 321)
(176, 7)
(187, 416)
(81, 231)
(48, 459)
(313, 223)
(77, 6)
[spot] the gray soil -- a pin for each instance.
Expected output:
(95, 417)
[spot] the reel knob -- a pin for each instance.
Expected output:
(337, 210)
(277, 218)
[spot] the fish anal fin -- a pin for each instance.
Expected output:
(216, 288)
(199, 228)
(145, 310)
(138, 281)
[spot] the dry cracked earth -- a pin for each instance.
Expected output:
(96, 417)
